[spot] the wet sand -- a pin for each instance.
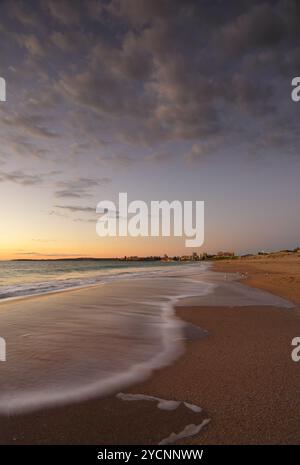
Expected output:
(241, 374)
(278, 273)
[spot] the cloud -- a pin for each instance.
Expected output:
(73, 208)
(80, 209)
(19, 145)
(33, 45)
(260, 27)
(149, 73)
(24, 179)
(32, 125)
(167, 89)
(120, 160)
(62, 41)
(81, 220)
(19, 177)
(79, 187)
(27, 16)
(202, 150)
(66, 12)
(159, 157)
(140, 12)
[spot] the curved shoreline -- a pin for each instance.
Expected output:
(241, 375)
(172, 338)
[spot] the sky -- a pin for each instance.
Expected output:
(162, 99)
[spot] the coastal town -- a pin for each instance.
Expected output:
(194, 257)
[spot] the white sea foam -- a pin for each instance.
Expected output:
(188, 431)
(194, 408)
(162, 404)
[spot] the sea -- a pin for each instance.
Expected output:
(71, 330)
(76, 329)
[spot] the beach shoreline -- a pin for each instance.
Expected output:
(241, 375)
(278, 274)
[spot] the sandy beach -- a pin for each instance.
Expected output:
(241, 375)
(278, 273)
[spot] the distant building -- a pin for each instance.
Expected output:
(185, 258)
(225, 254)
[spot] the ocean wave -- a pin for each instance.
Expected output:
(59, 285)
(76, 348)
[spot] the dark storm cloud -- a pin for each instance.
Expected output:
(150, 72)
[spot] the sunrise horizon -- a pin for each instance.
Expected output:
(186, 252)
